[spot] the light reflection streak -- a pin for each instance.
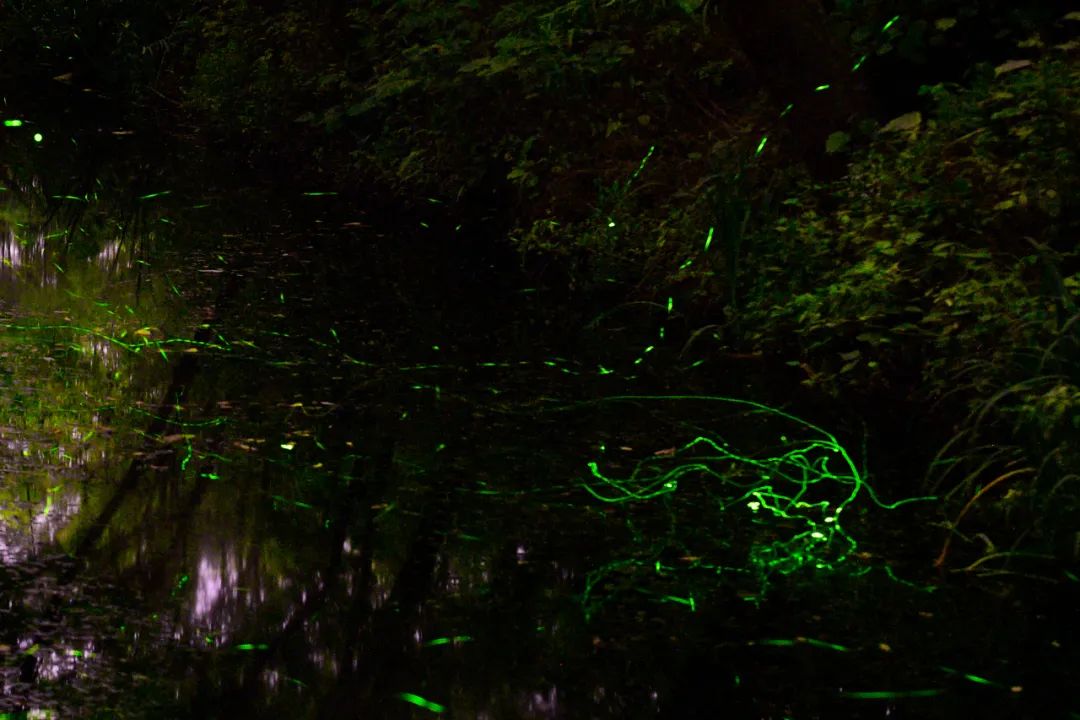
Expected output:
(216, 582)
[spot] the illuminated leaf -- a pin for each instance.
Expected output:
(1010, 66)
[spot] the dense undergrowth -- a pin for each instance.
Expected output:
(617, 147)
(945, 269)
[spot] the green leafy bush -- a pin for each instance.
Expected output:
(950, 256)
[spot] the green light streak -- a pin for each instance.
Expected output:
(708, 238)
(641, 165)
(176, 291)
(688, 601)
(890, 23)
(455, 640)
(248, 647)
(761, 145)
(799, 493)
(187, 458)
(133, 347)
(212, 422)
(297, 503)
(150, 196)
(908, 583)
(595, 577)
(776, 643)
(892, 694)
(976, 679)
(825, 645)
(822, 88)
(421, 702)
(13, 123)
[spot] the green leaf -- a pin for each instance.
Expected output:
(836, 142)
(908, 122)
(1010, 66)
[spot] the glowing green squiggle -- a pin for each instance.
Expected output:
(798, 495)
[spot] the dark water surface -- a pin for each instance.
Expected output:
(286, 467)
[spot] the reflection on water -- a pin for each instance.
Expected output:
(313, 506)
(23, 259)
(62, 377)
(65, 386)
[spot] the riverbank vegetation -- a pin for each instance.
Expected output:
(877, 198)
